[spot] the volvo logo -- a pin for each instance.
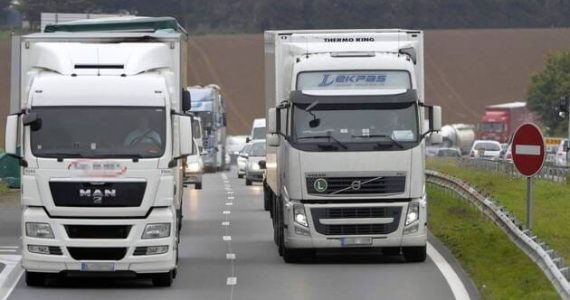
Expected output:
(97, 194)
(321, 185)
(356, 185)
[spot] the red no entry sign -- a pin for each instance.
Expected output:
(528, 149)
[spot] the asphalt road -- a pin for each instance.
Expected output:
(227, 252)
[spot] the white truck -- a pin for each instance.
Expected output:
(346, 124)
(98, 110)
(460, 136)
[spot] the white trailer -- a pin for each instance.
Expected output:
(346, 130)
(99, 115)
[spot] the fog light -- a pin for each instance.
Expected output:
(38, 249)
(153, 250)
(301, 231)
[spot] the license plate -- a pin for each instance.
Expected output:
(97, 267)
(356, 241)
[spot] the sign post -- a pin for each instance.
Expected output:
(528, 157)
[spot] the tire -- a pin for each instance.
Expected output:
(240, 175)
(198, 186)
(35, 279)
(266, 198)
(247, 182)
(162, 279)
(414, 254)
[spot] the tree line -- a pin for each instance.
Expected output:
(259, 15)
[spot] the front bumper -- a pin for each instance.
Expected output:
(297, 236)
(139, 264)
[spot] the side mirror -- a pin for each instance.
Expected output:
(225, 119)
(273, 140)
(262, 164)
(435, 118)
(33, 121)
(11, 139)
(185, 134)
(435, 138)
(247, 140)
(564, 104)
(272, 121)
(186, 100)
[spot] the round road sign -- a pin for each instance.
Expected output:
(528, 149)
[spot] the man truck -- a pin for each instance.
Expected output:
(345, 147)
(98, 108)
(208, 104)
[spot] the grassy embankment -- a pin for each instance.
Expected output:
(498, 268)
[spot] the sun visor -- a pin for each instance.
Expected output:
(409, 96)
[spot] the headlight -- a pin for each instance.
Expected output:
(194, 167)
(39, 230)
(299, 215)
(413, 212)
(156, 231)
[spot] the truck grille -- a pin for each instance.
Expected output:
(98, 232)
(356, 213)
(86, 194)
(79, 253)
(356, 185)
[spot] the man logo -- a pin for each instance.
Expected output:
(321, 185)
(97, 194)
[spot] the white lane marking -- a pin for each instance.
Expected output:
(10, 275)
(230, 256)
(230, 192)
(226, 212)
(226, 223)
(231, 197)
(527, 149)
(457, 288)
(231, 281)
(227, 238)
(229, 203)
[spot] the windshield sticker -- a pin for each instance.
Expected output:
(354, 80)
(403, 135)
(92, 168)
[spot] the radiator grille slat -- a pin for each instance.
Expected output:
(356, 213)
(357, 185)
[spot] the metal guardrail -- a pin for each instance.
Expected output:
(550, 262)
(552, 173)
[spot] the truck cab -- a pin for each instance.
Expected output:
(346, 128)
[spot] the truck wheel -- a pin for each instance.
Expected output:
(247, 182)
(414, 254)
(198, 186)
(35, 279)
(162, 279)
(240, 175)
(266, 198)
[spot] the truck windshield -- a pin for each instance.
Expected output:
(355, 127)
(491, 126)
(100, 132)
(259, 133)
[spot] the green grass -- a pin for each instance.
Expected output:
(499, 269)
(551, 201)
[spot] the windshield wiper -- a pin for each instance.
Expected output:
(389, 138)
(330, 137)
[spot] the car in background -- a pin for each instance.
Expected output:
(507, 153)
(486, 149)
(193, 168)
(234, 144)
(257, 130)
(242, 160)
(253, 171)
(561, 154)
(448, 152)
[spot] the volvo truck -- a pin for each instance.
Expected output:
(208, 104)
(346, 124)
(98, 108)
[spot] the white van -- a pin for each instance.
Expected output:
(257, 130)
